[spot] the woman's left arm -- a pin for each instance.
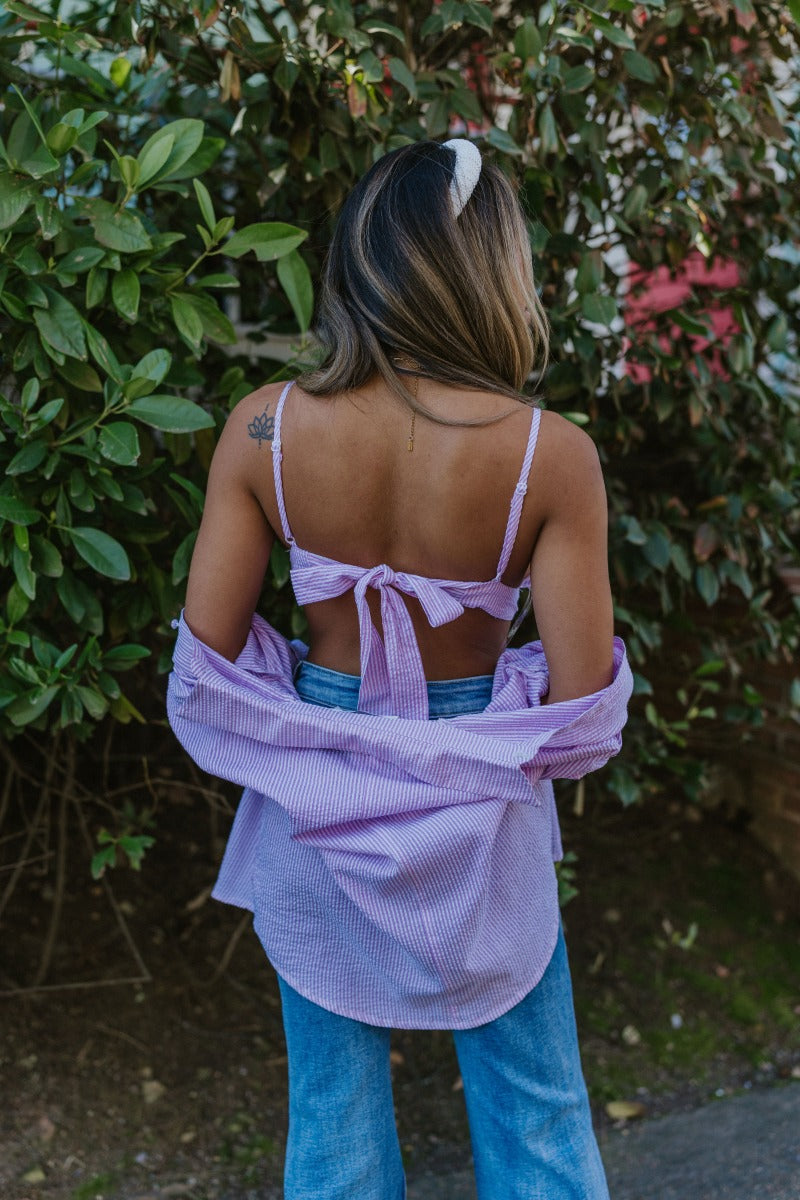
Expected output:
(234, 543)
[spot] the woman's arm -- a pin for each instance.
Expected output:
(569, 569)
(234, 542)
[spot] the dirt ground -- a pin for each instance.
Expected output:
(685, 948)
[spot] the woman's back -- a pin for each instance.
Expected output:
(355, 494)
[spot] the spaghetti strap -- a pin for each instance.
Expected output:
(277, 458)
(518, 497)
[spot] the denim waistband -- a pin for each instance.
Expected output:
(446, 697)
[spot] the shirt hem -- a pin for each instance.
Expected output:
(233, 899)
(399, 1021)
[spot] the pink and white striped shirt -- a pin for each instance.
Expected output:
(400, 871)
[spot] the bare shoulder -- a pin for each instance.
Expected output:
(563, 438)
(566, 464)
(254, 415)
(564, 446)
(248, 432)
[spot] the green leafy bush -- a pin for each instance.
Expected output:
(106, 311)
(652, 141)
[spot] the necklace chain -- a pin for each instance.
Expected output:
(413, 416)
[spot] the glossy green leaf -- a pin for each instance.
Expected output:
(371, 25)
(34, 157)
(777, 332)
(154, 366)
(102, 353)
(118, 229)
(206, 153)
(432, 24)
(640, 67)
(96, 283)
(478, 14)
(295, 279)
(49, 411)
(268, 240)
(635, 202)
(46, 557)
(204, 200)
(503, 141)
(102, 552)
(612, 32)
(578, 79)
(61, 138)
(81, 259)
(371, 67)
(29, 708)
(16, 195)
(170, 413)
(680, 561)
(28, 458)
(285, 75)
(186, 136)
(153, 156)
(119, 442)
(17, 604)
(657, 550)
(101, 860)
(17, 512)
(634, 532)
(399, 70)
(599, 309)
(27, 11)
(49, 217)
(707, 583)
(215, 325)
(590, 272)
(60, 326)
(80, 375)
(22, 567)
(437, 116)
(183, 557)
(527, 40)
(736, 574)
(187, 322)
(126, 292)
(122, 658)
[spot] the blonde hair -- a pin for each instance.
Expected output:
(407, 280)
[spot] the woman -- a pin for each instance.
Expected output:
(399, 864)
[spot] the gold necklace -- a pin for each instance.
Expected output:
(413, 416)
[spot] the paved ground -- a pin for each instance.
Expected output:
(745, 1147)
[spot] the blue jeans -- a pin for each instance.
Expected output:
(529, 1117)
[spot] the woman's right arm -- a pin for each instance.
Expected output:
(569, 568)
(233, 546)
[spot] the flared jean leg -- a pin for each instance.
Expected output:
(342, 1142)
(529, 1116)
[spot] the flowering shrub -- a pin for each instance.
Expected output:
(155, 156)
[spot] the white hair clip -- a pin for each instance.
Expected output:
(465, 175)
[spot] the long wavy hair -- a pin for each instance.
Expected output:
(407, 281)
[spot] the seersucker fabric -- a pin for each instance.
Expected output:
(400, 871)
